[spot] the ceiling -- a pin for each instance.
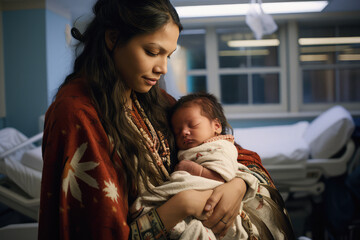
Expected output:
(79, 7)
(76, 8)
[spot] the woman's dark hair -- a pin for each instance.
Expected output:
(94, 63)
(210, 108)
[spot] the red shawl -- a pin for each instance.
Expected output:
(82, 195)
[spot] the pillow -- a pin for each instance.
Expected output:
(33, 159)
(329, 132)
(282, 144)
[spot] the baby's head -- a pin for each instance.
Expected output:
(197, 117)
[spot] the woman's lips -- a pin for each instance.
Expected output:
(151, 81)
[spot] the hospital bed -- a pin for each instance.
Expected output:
(20, 171)
(299, 156)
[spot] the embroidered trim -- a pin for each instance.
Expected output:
(153, 140)
(149, 227)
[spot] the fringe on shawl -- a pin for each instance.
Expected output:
(282, 219)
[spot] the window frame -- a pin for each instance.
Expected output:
(311, 107)
(213, 73)
(290, 75)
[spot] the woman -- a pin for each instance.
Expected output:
(107, 138)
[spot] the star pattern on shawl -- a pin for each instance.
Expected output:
(111, 191)
(74, 169)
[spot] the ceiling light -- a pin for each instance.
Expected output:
(325, 49)
(254, 43)
(242, 9)
(237, 53)
(329, 40)
(349, 57)
(313, 58)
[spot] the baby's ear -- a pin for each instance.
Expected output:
(111, 38)
(217, 126)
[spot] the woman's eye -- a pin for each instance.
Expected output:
(150, 53)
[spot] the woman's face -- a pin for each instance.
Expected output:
(143, 59)
(191, 128)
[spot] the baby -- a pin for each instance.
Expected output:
(202, 136)
(207, 158)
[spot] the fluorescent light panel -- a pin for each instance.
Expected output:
(324, 57)
(329, 40)
(314, 58)
(325, 49)
(237, 53)
(242, 9)
(254, 43)
(349, 57)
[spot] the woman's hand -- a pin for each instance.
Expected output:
(184, 204)
(225, 204)
(198, 200)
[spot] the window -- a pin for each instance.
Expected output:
(302, 67)
(249, 71)
(329, 58)
(242, 72)
(191, 55)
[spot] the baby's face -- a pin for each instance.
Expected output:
(191, 128)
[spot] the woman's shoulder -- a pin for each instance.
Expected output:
(171, 100)
(72, 99)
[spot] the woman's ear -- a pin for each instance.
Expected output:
(217, 126)
(111, 37)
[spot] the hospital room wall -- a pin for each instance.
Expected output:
(36, 59)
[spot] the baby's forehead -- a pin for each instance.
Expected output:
(193, 108)
(189, 106)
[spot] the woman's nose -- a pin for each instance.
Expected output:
(161, 66)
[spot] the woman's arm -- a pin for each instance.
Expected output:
(226, 199)
(157, 222)
(184, 204)
(225, 204)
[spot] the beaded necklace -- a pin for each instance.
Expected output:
(152, 139)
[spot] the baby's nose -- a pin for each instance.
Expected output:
(185, 132)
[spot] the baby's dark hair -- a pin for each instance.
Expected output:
(210, 108)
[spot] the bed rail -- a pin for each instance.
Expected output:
(19, 202)
(31, 140)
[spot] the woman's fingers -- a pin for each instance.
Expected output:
(225, 200)
(228, 219)
(227, 224)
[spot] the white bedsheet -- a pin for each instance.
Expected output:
(28, 179)
(276, 145)
(9, 138)
(33, 159)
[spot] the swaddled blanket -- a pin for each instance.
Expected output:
(191, 228)
(218, 154)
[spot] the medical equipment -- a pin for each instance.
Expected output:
(20, 167)
(298, 155)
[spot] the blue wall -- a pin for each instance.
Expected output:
(58, 54)
(36, 60)
(25, 68)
